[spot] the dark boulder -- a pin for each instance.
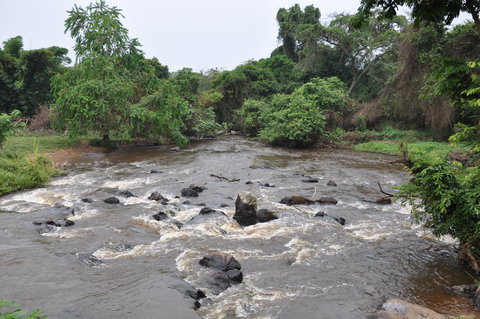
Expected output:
(246, 209)
(327, 201)
(309, 179)
(265, 215)
(218, 282)
(196, 294)
(154, 171)
(156, 196)
(127, 194)
(87, 200)
(331, 183)
(160, 216)
(112, 200)
(207, 210)
(198, 189)
(220, 260)
(188, 192)
(266, 185)
(235, 275)
(89, 260)
(296, 200)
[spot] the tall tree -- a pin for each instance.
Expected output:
(436, 11)
(363, 46)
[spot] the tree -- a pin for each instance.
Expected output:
(436, 11)
(363, 46)
(290, 22)
(95, 94)
(13, 46)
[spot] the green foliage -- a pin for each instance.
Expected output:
(98, 32)
(393, 147)
(437, 11)
(444, 197)
(7, 124)
(25, 75)
(296, 119)
(160, 114)
(17, 313)
(93, 96)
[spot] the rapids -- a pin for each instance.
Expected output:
(298, 266)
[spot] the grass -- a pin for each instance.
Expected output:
(415, 147)
(22, 167)
(30, 144)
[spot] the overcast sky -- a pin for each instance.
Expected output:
(200, 34)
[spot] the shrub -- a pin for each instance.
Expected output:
(444, 197)
(7, 125)
(17, 313)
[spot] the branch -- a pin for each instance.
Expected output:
(225, 179)
(381, 190)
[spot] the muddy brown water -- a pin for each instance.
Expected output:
(299, 266)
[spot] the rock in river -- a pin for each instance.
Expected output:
(265, 215)
(296, 200)
(219, 260)
(156, 196)
(327, 200)
(112, 200)
(246, 209)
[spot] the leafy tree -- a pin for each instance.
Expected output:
(13, 46)
(7, 124)
(363, 46)
(297, 119)
(95, 94)
(436, 11)
(444, 197)
(291, 22)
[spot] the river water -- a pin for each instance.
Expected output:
(298, 266)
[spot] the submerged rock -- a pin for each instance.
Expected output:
(332, 183)
(156, 196)
(112, 200)
(89, 259)
(296, 200)
(400, 309)
(265, 215)
(340, 220)
(208, 210)
(196, 294)
(154, 171)
(87, 200)
(127, 194)
(320, 214)
(309, 179)
(160, 216)
(188, 192)
(220, 260)
(384, 201)
(246, 209)
(219, 282)
(327, 201)
(235, 275)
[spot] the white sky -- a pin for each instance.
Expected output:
(200, 34)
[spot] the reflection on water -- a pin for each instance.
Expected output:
(296, 266)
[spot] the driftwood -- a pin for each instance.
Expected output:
(224, 178)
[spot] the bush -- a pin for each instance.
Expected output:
(444, 197)
(297, 119)
(6, 124)
(17, 313)
(20, 173)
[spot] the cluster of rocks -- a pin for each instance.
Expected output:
(192, 191)
(229, 270)
(61, 215)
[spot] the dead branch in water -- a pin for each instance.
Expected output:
(225, 179)
(383, 192)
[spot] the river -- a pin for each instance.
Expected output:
(298, 266)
